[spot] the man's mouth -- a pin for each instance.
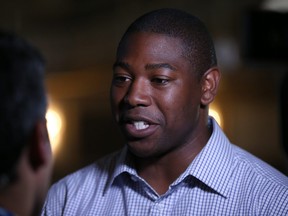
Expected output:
(140, 125)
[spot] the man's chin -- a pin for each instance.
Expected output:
(141, 150)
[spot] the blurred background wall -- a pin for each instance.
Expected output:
(79, 39)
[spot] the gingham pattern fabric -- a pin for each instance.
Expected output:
(222, 180)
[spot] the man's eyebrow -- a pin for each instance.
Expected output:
(121, 64)
(155, 66)
(158, 66)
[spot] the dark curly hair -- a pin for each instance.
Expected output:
(198, 45)
(22, 95)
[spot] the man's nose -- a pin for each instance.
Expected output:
(138, 94)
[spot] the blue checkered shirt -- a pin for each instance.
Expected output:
(222, 180)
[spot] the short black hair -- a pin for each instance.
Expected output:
(22, 97)
(198, 46)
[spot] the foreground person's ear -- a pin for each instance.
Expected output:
(210, 82)
(40, 149)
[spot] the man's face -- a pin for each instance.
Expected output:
(44, 174)
(155, 97)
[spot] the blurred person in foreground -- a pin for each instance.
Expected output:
(177, 160)
(25, 152)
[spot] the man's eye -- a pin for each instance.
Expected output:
(121, 79)
(161, 81)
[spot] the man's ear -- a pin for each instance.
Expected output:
(39, 146)
(210, 82)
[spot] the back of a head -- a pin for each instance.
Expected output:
(198, 46)
(22, 95)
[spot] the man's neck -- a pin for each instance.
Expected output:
(160, 172)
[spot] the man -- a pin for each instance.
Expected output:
(177, 161)
(25, 151)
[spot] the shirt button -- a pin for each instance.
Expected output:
(160, 206)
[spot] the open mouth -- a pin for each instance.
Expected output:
(140, 125)
(137, 126)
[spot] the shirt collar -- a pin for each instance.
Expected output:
(122, 164)
(125, 164)
(212, 166)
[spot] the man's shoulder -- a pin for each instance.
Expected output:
(257, 169)
(5, 212)
(258, 184)
(97, 171)
(87, 183)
